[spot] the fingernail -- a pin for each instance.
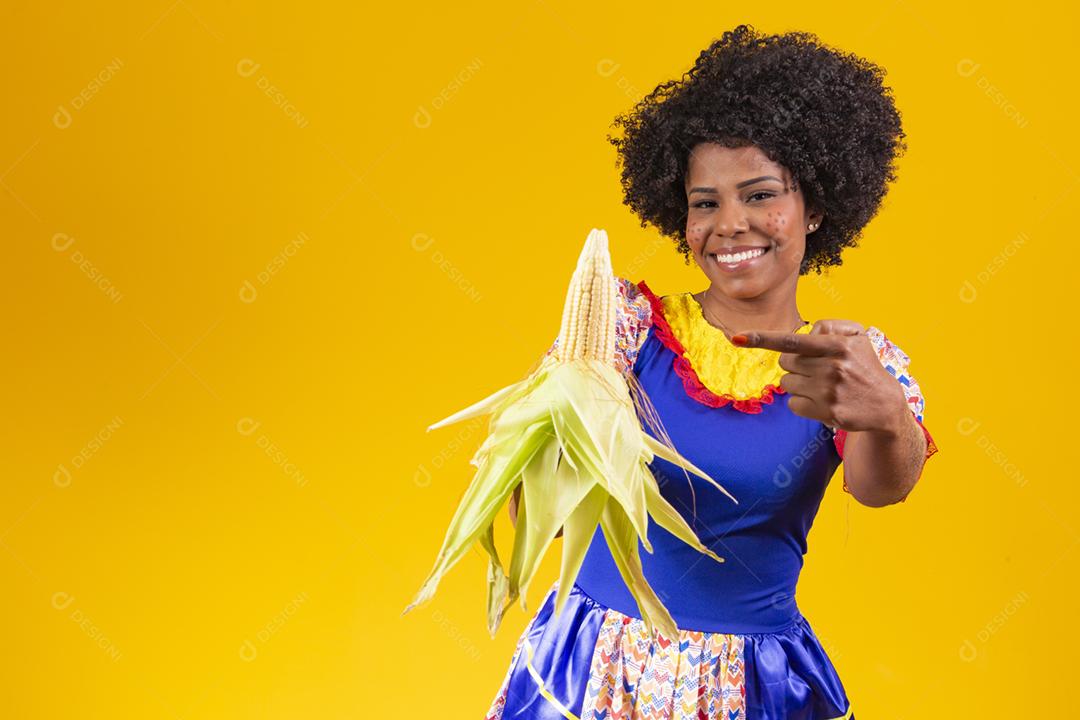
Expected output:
(738, 339)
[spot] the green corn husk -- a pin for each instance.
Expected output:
(569, 434)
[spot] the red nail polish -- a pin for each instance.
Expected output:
(738, 339)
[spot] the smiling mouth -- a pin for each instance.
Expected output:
(737, 260)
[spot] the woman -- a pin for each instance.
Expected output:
(763, 163)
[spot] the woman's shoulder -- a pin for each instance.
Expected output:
(898, 364)
(632, 322)
(633, 294)
(634, 315)
(887, 349)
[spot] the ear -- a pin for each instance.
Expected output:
(813, 217)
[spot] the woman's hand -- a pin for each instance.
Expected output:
(834, 375)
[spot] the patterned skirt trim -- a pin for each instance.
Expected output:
(594, 663)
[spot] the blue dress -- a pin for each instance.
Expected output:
(744, 651)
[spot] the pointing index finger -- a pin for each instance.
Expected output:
(809, 345)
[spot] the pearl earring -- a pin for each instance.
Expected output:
(812, 226)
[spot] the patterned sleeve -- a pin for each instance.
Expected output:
(631, 324)
(633, 317)
(896, 362)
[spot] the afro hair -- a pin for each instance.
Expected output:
(824, 115)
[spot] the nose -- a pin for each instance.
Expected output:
(730, 218)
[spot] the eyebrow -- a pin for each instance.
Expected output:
(744, 183)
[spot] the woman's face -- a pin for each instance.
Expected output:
(740, 201)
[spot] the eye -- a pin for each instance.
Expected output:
(709, 203)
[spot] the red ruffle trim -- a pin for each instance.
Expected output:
(931, 447)
(691, 382)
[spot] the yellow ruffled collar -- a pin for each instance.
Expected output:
(714, 371)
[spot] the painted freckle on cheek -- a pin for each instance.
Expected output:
(772, 228)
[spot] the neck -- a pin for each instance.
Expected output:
(779, 313)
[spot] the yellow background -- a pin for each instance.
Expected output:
(253, 251)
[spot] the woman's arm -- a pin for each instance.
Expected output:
(882, 466)
(856, 381)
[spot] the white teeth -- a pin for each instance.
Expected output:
(739, 257)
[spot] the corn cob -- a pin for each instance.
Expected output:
(569, 436)
(588, 321)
